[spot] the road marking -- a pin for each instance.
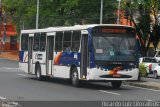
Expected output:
(8, 68)
(2, 98)
(142, 88)
(9, 71)
(149, 100)
(22, 75)
(109, 92)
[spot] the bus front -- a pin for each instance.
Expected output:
(113, 55)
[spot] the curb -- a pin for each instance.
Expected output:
(155, 86)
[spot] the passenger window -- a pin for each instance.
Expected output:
(67, 41)
(36, 42)
(76, 36)
(24, 42)
(43, 42)
(58, 41)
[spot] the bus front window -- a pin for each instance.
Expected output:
(114, 47)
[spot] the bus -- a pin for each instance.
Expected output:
(97, 52)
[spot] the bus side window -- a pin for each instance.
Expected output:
(67, 41)
(58, 41)
(24, 42)
(43, 42)
(76, 41)
(36, 42)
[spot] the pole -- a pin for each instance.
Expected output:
(119, 5)
(37, 16)
(5, 23)
(101, 13)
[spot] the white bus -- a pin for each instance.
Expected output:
(81, 53)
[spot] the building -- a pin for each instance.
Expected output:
(8, 42)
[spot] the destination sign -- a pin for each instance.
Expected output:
(105, 30)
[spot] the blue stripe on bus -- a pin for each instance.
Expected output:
(69, 58)
(21, 54)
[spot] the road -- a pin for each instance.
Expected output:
(18, 86)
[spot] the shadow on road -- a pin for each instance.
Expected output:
(86, 85)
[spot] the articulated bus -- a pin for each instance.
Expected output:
(101, 52)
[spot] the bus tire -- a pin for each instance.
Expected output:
(38, 73)
(74, 78)
(116, 84)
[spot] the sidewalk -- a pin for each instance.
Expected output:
(144, 83)
(14, 55)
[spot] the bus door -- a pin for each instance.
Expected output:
(49, 53)
(39, 51)
(84, 54)
(30, 59)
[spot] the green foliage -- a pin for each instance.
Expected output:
(145, 22)
(59, 12)
(142, 70)
(71, 12)
(145, 25)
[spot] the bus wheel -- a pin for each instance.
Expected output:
(38, 73)
(74, 77)
(116, 84)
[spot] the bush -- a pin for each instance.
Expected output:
(142, 70)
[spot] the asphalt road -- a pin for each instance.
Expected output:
(4, 63)
(18, 86)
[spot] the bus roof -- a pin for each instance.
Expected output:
(76, 27)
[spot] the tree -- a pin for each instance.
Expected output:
(59, 12)
(147, 29)
(20, 10)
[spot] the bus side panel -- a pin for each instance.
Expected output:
(23, 61)
(23, 67)
(60, 71)
(62, 63)
(43, 69)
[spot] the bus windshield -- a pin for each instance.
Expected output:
(114, 47)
